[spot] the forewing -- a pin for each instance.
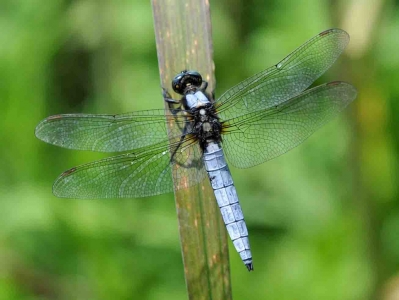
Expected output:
(107, 133)
(254, 138)
(133, 175)
(285, 80)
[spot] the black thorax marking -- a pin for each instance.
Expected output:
(207, 126)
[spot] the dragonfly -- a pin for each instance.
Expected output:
(258, 119)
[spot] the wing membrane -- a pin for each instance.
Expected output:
(134, 175)
(107, 133)
(254, 138)
(285, 80)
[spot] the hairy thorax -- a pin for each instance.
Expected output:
(207, 126)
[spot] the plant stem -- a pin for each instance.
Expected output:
(183, 38)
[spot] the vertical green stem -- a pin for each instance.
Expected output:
(183, 38)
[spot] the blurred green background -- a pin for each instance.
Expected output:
(324, 218)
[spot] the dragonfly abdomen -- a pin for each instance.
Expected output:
(227, 199)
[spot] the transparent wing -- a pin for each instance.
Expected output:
(285, 80)
(134, 175)
(108, 133)
(256, 137)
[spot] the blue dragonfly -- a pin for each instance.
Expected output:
(259, 119)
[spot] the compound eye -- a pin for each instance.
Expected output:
(196, 78)
(177, 84)
(186, 79)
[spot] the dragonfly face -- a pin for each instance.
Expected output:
(190, 85)
(185, 81)
(259, 119)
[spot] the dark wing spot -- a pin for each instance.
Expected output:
(68, 172)
(334, 83)
(326, 32)
(55, 117)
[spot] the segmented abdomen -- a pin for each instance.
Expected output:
(226, 196)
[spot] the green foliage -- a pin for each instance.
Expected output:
(323, 218)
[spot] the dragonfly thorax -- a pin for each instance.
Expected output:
(207, 126)
(195, 100)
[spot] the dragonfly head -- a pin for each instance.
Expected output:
(186, 80)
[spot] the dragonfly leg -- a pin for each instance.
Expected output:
(193, 163)
(183, 136)
(203, 88)
(168, 99)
